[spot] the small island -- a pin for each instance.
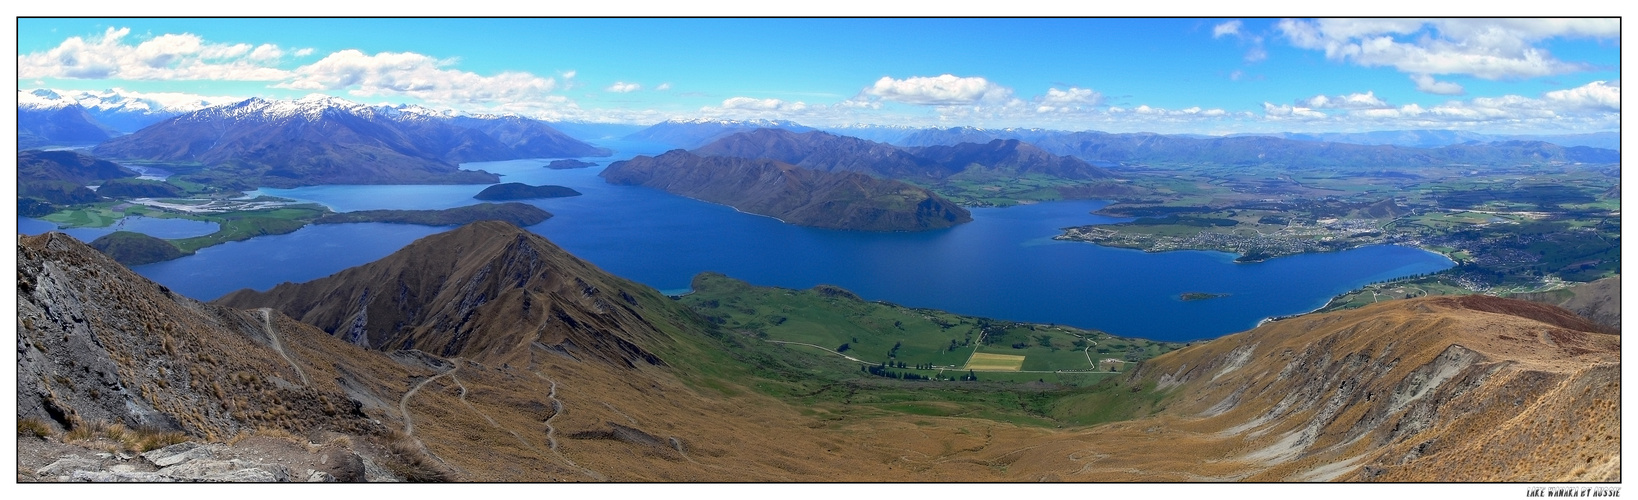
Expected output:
(135, 249)
(519, 214)
(521, 191)
(568, 164)
(1193, 296)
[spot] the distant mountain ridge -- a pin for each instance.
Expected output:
(824, 151)
(689, 134)
(796, 195)
(326, 140)
(1293, 150)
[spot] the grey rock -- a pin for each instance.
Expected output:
(67, 464)
(177, 453)
(86, 476)
(318, 476)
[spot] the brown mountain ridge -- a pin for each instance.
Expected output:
(531, 365)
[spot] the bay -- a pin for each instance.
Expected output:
(1003, 265)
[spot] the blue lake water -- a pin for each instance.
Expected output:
(1003, 265)
(152, 226)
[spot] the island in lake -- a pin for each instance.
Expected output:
(566, 164)
(521, 191)
(794, 195)
(1193, 296)
(519, 214)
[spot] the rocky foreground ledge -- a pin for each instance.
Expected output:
(255, 459)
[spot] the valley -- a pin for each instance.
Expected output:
(836, 249)
(601, 361)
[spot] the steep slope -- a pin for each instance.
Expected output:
(1599, 301)
(1437, 389)
(68, 125)
(485, 291)
(837, 200)
(822, 151)
(99, 343)
(68, 166)
(315, 140)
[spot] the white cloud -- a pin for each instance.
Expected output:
(1366, 100)
(1281, 111)
(267, 52)
(1426, 83)
(663, 87)
(1225, 29)
(1485, 48)
(304, 52)
(1073, 96)
(165, 57)
(413, 75)
(568, 74)
(942, 90)
(1594, 106)
(754, 104)
(1595, 96)
(623, 87)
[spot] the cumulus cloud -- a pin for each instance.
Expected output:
(623, 87)
(413, 75)
(1426, 83)
(1595, 96)
(1594, 106)
(754, 104)
(942, 90)
(663, 87)
(166, 57)
(1486, 48)
(1282, 111)
(1226, 29)
(1072, 96)
(304, 52)
(1366, 100)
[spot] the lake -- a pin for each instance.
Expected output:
(1003, 265)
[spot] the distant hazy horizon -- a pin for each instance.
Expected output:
(1192, 76)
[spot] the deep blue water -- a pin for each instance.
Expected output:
(1004, 264)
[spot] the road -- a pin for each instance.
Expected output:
(267, 326)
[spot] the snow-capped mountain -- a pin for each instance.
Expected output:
(321, 139)
(119, 109)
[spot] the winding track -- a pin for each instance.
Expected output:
(267, 326)
(551, 432)
(403, 404)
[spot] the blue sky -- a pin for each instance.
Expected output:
(1208, 76)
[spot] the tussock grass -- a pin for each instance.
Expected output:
(33, 427)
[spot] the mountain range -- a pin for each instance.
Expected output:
(689, 134)
(1270, 150)
(325, 140)
(832, 153)
(792, 194)
(495, 356)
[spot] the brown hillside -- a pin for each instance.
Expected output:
(1440, 389)
(487, 291)
(559, 372)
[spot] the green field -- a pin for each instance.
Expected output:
(928, 343)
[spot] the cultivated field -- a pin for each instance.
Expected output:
(995, 362)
